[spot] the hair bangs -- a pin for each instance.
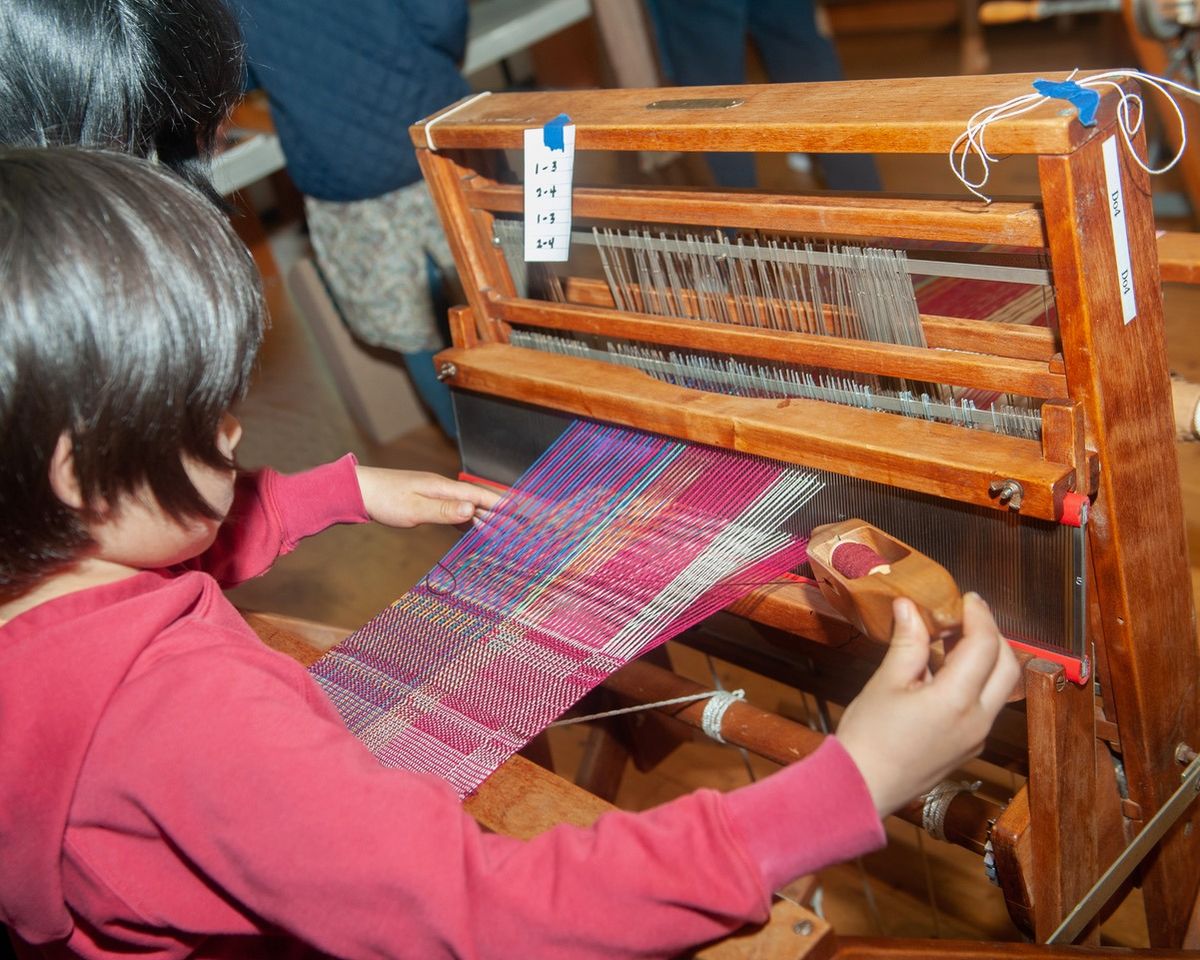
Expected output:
(130, 319)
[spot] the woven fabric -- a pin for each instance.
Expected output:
(1017, 303)
(613, 542)
(995, 301)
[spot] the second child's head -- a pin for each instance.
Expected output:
(130, 318)
(153, 78)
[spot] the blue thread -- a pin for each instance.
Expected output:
(1083, 99)
(552, 132)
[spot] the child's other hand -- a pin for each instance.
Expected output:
(408, 498)
(908, 730)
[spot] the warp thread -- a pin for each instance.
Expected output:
(448, 586)
(614, 541)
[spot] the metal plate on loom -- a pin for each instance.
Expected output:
(1025, 568)
(498, 440)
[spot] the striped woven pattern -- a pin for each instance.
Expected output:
(611, 543)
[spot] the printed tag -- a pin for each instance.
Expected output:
(1120, 233)
(549, 165)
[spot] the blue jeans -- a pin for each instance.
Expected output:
(703, 42)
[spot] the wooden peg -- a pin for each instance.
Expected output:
(865, 596)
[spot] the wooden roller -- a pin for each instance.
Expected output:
(861, 570)
(1014, 11)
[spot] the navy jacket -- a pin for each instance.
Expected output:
(345, 79)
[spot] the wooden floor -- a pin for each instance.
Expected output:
(294, 418)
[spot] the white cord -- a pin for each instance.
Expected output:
(442, 116)
(718, 685)
(937, 802)
(721, 696)
(1130, 115)
(714, 711)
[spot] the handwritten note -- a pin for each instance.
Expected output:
(1120, 232)
(549, 168)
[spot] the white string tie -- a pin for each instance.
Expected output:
(937, 802)
(710, 721)
(714, 711)
(449, 113)
(1130, 115)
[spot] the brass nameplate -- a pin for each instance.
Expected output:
(699, 103)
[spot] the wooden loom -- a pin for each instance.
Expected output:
(1106, 434)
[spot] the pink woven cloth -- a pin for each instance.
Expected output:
(613, 542)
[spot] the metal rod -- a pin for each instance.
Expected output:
(1112, 878)
(933, 268)
(767, 381)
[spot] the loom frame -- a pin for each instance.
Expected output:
(1097, 441)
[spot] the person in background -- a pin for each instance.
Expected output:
(344, 81)
(703, 42)
(153, 78)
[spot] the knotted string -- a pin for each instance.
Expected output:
(719, 701)
(1130, 115)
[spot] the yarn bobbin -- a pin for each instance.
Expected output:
(861, 571)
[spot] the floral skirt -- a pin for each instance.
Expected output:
(373, 255)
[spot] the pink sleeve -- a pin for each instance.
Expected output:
(827, 794)
(272, 512)
(283, 810)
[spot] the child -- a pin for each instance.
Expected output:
(170, 786)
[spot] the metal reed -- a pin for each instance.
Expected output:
(1024, 567)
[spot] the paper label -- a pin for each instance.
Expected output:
(1120, 233)
(548, 173)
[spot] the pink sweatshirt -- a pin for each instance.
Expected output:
(170, 787)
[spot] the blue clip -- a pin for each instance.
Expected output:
(552, 132)
(1083, 99)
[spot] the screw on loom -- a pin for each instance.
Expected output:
(804, 928)
(1009, 492)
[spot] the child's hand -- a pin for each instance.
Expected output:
(907, 729)
(407, 498)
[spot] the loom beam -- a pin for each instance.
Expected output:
(782, 741)
(913, 454)
(523, 800)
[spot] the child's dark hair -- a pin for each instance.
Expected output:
(130, 318)
(154, 78)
